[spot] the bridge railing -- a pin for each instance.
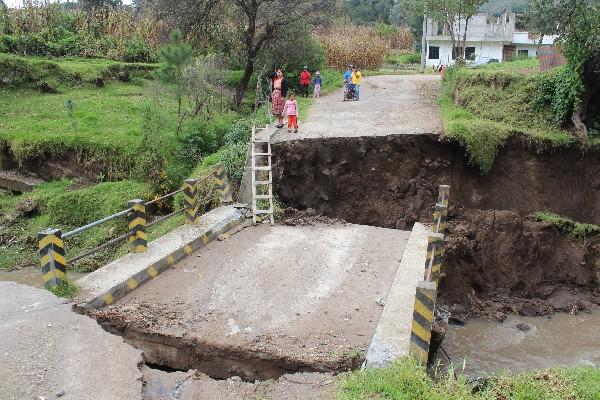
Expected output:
(51, 242)
(426, 293)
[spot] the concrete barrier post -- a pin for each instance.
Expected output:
(422, 322)
(433, 261)
(223, 187)
(444, 195)
(136, 219)
(52, 257)
(190, 201)
(439, 218)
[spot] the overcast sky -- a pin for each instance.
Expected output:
(19, 3)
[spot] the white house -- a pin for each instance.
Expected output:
(487, 37)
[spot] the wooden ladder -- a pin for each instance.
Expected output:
(261, 165)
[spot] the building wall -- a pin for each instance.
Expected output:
(482, 49)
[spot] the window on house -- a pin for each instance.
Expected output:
(470, 53)
(523, 53)
(434, 53)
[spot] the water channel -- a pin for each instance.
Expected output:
(524, 343)
(32, 276)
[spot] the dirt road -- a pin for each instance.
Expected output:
(389, 105)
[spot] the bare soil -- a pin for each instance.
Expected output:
(498, 260)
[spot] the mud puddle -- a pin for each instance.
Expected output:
(32, 276)
(524, 343)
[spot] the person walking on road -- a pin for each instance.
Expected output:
(347, 79)
(356, 79)
(279, 87)
(304, 82)
(291, 110)
(317, 82)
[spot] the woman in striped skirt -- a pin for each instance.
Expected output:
(279, 87)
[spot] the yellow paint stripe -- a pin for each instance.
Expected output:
(424, 311)
(205, 239)
(141, 235)
(139, 249)
(152, 271)
(138, 207)
(170, 260)
(50, 239)
(53, 256)
(51, 274)
(428, 294)
(187, 249)
(421, 332)
(108, 299)
(418, 352)
(131, 283)
(137, 221)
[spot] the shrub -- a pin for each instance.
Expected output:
(240, 132)
(233, 158)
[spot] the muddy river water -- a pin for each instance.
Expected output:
(32, 276)
(489, 347)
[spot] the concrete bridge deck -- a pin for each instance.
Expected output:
(282, 298)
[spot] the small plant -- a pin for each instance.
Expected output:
(574, 230)
(70, 105)
(65, 289)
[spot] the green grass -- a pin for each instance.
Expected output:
(573, 229)
(406, 380)
(65, 289)
(531, 64)
(58, 206)
(482, 108)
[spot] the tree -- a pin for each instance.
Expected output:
(577, 24)
(174, 56)
(366, 12)
(91, 4)
(454, 15)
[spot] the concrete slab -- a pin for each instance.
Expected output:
(109, 283)
(389, 105)
(46, 348)
(282, 298)
(392, 336)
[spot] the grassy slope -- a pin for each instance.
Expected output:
(406, 380)
(496, 101)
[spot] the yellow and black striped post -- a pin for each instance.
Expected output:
(420, 335)
(223, 186)
(444, 195)
(439, 218)
(136, 219)
(433, 261)
(52, 257)
(190, 201)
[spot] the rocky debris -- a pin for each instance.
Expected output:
(46, 88)
(24, 208)
(294, 217)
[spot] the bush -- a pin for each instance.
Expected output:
(240, 132)
(80, 207)
(233, 158)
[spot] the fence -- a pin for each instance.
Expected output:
(426, 293)
(51, 241)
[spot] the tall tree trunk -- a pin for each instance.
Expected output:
(243, 85)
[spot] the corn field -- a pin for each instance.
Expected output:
(42, 28)
(401, 40)
(355, 45)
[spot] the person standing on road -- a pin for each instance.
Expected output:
(317, 82)
(304, 82)
(279, 88)
(356, 78)
(347, 79)
(291, 110)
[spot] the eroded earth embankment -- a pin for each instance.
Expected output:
(498, 258)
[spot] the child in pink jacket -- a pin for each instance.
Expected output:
(291, 110)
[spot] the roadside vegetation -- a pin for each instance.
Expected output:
(405, 379)
(573, 229)
(481, 108)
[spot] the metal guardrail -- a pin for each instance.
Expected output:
(51, 241)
